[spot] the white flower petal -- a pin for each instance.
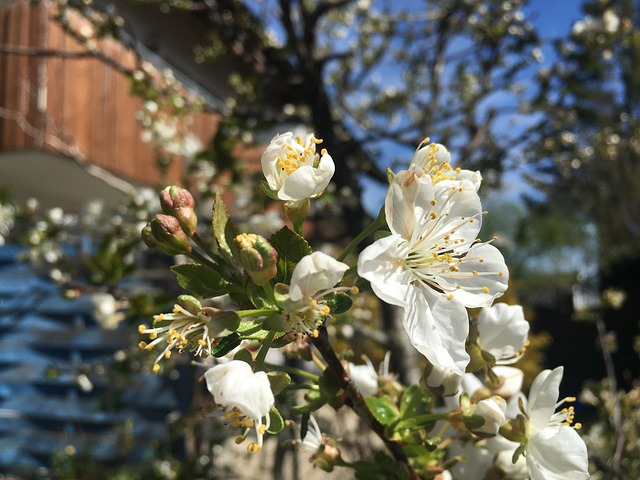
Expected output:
(543, 397)
(380, 263)
(308, 181)
(482, 276)
(400, 203)
(234, 384)
(561, 456)
(438, 330)
(502, 329)
(314, 273)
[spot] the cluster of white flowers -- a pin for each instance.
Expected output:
(433, 266)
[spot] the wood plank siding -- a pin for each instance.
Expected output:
(74, 104)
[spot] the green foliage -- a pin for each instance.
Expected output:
(291, 247)
(200, 280)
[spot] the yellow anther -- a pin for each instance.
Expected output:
(150, 346)
(142, 345)
(577, 426)
(156, 368)
(315, 333)
(313, 303)
(485, 289)
(239, 439)
(262, 429)
(433, 202)
(247, 422)
(168, 354)
(142, 329)
(570, 399)
(450, 296)
(153, 335)
(432, 215)
(254, 448)
(202, 342)
(324, 151)
(475, 273)
(354, 290)
(177, 309)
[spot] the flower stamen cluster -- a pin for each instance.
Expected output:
(180, 330)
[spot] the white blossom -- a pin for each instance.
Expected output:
(293, 169)
(503, 332)
(432, 265)
(554, 450)
(246, 395)
(313, 278)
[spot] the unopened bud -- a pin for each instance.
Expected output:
(327, 457)
(165, 234)
(179, 203)
(441, 380)
(258, 257)
(492, 410)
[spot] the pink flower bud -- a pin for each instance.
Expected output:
(179, 203)
(164, 233)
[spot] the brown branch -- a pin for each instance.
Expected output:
(356, 400)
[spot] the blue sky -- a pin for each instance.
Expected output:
(552, 19)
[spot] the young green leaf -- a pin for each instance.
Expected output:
(200, 280)
(291, 247)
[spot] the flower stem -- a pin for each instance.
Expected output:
(256, 312)
(375, 225)
(293, 371)
(262, 354)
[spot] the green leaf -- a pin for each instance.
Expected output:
(291, 248)
(340, 303)
(252, 331)
(200, 280)
(414, 402)
(279, 381)
(221, 226)
(244, 355)
(276, 423)
(258, 296)
(383, 409)
(225, 345)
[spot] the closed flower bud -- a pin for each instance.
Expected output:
(165, 234)
(441, 380)
(179, 203)
(258, 257)
(492, 410)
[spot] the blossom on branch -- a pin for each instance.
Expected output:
(502, 332)
(305, 303)
(294, 170)
(246, 395)
(554, 450)
(432, 265)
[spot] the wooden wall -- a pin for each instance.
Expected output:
(54, 103)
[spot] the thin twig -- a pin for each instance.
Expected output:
(613, 391)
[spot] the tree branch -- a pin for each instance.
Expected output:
(356, 401)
